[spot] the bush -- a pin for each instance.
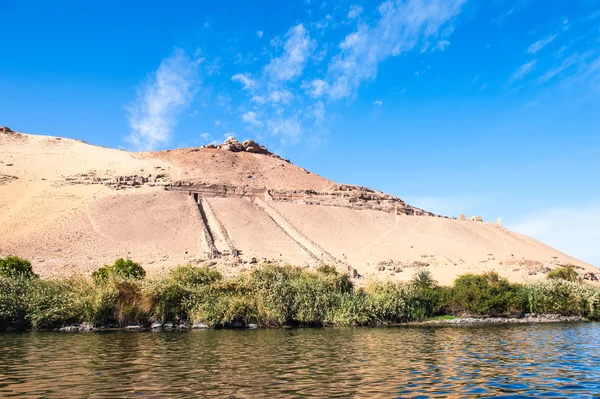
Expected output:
(563, 297)
(13, 309)
(56, 303)
(194, 276)
(386, 302)
(121, 268)
(567, 273)
(274, 296)
(13, 265)
(487, 295)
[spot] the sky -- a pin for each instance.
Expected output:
(487, 108)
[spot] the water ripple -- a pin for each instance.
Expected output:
(407, 362)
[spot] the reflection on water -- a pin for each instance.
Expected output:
(423, 362)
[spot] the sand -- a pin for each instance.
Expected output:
(58, 210)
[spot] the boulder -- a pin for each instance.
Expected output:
(69, 329)
(5, 129)
(230, 140)
(254, 149)
(134, 328)
(156, 326)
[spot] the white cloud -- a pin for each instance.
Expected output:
(316, 88)
(289, 129)
(572, 230)
(153, 116)
(441, 45)
(259, 99)
(205, 135)
(260, 33)
(218, 123)
(378, 102)
(401, 26)
(540, 44)
(567, 63)
(523, 70)
(318, 111)
(291, 103)
(246, 82)
(251, 118)
(355, 11)
(297, 48)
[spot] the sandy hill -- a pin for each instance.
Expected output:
(70, 207)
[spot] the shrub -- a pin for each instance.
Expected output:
(386, 302)
(351, 309)
(194, 276)
(567, 273)
(13, 265)
(563, 297)
(13, 309)
(55, 303)
(275, 294)
(121, 268)
(486, 294)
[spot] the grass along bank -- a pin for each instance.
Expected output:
(270, 296)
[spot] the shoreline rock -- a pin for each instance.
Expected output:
(528, 319)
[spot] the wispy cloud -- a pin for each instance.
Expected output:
(441, 45)
(523, 70)
(246, 81)
(260, 33)
(288, 96)
(354, 11)
(251, 118)
(573, 230)
(540, 44)
(398, 29)
(153, 116)
(516, 7)
(564, 65)
(298, 47)
(274, 101)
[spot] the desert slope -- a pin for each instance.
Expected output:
(70, 207)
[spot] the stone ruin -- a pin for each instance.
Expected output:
(463, 217)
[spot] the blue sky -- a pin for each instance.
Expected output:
(458, 106)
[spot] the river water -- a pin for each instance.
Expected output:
(550, 360)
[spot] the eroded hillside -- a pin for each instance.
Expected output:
(70, 207)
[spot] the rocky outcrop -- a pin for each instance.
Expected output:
(251, 146)
(5, 129)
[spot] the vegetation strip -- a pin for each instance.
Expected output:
(272, 296)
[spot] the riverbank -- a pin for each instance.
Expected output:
(120, 296)
(454, 321)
